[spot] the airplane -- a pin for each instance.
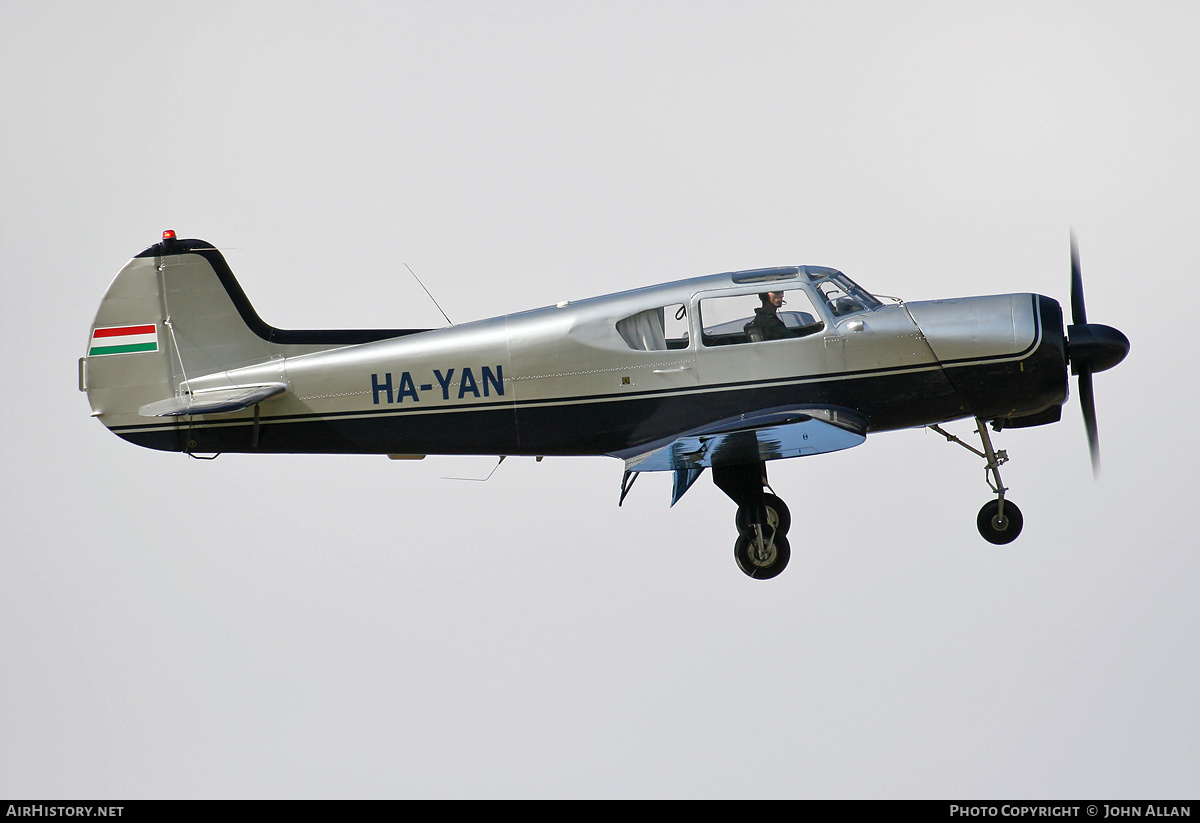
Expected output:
(711, 373)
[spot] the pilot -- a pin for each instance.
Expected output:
(766, 317)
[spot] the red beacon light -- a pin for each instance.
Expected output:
(169, 234)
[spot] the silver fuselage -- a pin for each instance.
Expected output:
(566, 379)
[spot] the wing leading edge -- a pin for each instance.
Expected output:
(767, 434)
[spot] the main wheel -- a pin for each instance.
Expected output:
(764, 563)
(996, 528)
(778, 516)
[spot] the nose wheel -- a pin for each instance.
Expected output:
(999, 526)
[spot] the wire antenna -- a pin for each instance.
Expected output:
(481, 479)
(431, 297)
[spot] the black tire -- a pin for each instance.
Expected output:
(762, 568)
(778, 517)
(995, 529)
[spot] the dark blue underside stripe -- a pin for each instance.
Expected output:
(575, 400)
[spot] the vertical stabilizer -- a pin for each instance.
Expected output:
(176, 313)
(167, 317)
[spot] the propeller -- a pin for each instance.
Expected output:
(1091, 348)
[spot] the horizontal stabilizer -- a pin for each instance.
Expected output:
(213, 401)
(769, 434)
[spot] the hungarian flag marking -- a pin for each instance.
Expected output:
(124, 339)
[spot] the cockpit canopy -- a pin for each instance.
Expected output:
(726, 318)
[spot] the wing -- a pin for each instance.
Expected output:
(213, 401)
(767, 434)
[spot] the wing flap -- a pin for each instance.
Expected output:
(213, 401)
(768, 434)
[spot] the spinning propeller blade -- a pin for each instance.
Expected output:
(1078, 311)
(1091, 347)
(1087, 401)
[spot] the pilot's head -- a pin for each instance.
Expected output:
(771, 299)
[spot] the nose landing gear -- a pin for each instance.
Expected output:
(999, 521)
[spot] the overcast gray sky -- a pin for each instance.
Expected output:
(340, 626)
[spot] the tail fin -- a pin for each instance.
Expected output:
(175, 313)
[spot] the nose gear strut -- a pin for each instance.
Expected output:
(999, 520)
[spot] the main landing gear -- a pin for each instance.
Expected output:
(762, 550)
(999, 520)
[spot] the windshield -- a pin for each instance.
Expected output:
(842, 295)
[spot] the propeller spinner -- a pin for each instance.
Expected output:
(1091, 348)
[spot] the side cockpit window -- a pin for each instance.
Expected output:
(659, 329)
(756, 318)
